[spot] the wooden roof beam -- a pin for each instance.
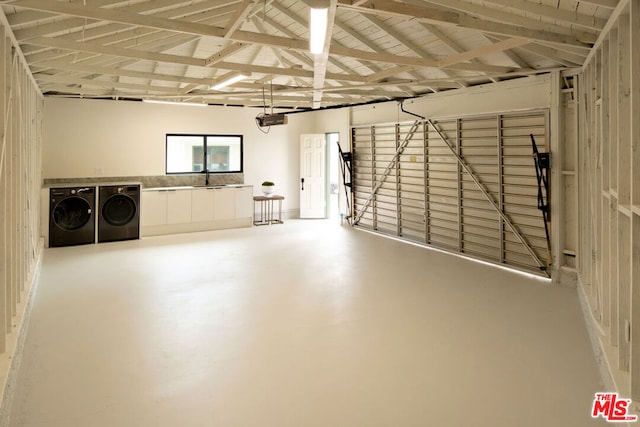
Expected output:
(66, 23)
(122, 72)
(567, 16)
(243, 36)
(403, 40)
(224, 52)
(178, 59)
(500, 15)
(463, 20)
(236, 20)
(484, 50)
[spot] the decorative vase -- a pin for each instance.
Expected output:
(267, 190)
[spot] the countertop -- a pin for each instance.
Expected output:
(194, 187)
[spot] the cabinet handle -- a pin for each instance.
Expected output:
(302, 180)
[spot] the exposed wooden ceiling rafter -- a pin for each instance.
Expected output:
(463, 20)
(379, 49)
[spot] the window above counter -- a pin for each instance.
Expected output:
(192, 153)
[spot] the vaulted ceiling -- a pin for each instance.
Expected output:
(378, 49)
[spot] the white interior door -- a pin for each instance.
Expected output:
(312, 176)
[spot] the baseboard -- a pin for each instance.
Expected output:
(10, 360)
(291, 214)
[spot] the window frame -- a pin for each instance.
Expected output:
(205, 168)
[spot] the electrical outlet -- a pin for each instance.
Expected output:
(99, 170)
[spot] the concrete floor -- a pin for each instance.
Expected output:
(302, 324)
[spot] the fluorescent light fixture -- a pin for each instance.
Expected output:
(229, 79)
(317, 29)
(190, 104)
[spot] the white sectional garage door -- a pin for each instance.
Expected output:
(466, 185)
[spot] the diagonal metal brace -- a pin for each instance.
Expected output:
(484, 191)
(386, 172)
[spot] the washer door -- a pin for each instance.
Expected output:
(118, 210)
(72, 213)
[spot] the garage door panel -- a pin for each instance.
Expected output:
(411, 162)
(469, 149)
(482, 203)
(384, 202)
(483, 246)
(413, 222)
(485, 179)
(468, 185)
(520, 180)
(530, 232)
(412, 179)
(415, 216)
(444, 243)
(450, 169)
(481, 161)
(520, 171)
(362, 180)
(476, 218)
(478, 133)
(428, 193)
(418, 237)
(437, 206)
(439, 149)
(408, 167)
(444, 234)
(412, 195)
(477, 195)
(518, 161)
(486, 213)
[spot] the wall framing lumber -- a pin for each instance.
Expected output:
(634, 232)
(609, 170)
(21, 247)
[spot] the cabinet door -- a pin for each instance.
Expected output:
(202, 204)
(224, 204)
(153, 208)
(178, 206)
(244, 202)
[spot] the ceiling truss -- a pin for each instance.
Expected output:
(376, 49)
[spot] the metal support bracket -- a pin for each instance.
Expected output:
(346, 159)
(542, 163)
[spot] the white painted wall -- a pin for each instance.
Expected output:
(90, 138)
(512, 95)
(330, 121)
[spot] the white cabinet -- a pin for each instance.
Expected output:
(178, 206)
(224, 203)
(153, 208)
(202, 204)
(244, 202)
(186, 209)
